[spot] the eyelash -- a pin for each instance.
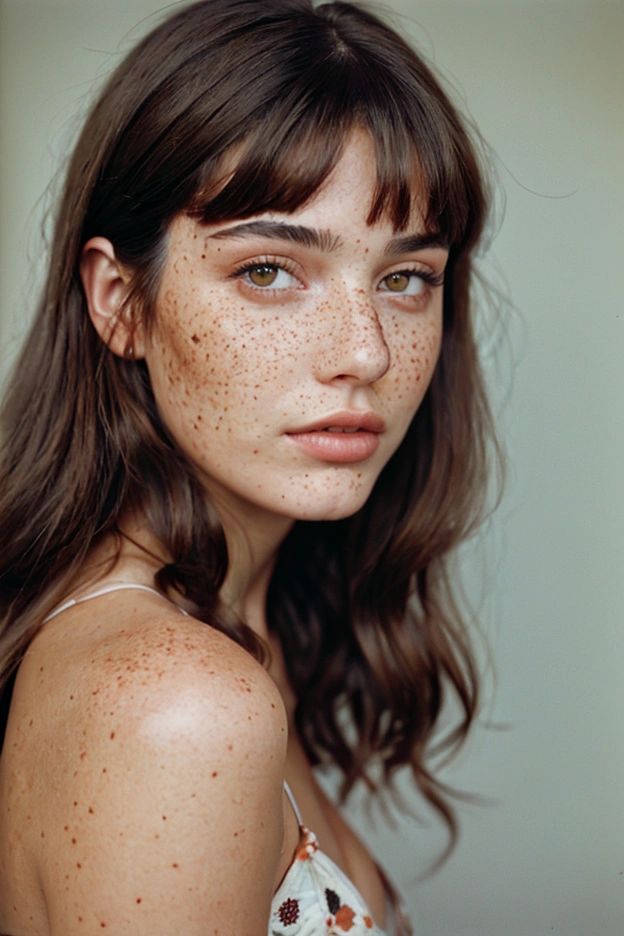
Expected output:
(427, 276)
(247, 268)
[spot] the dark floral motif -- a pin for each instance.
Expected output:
(289, 911)
(333, 900)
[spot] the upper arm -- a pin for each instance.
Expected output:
(166, 800)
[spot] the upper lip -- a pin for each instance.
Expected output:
(347, 419)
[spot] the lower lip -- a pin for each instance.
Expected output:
(343, 447)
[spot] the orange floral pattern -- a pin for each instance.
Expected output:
(316, 898)
(345, 917)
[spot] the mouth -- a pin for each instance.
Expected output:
(342, 438)
(341, 429)
(345, 421)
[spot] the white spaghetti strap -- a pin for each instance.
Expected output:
(293, 802)
(60, 609)
(105, 590)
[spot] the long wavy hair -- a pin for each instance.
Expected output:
(373, 638)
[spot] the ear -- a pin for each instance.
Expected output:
(105, 284)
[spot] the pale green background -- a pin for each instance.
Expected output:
(545, 83)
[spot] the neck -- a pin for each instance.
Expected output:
(253, 538)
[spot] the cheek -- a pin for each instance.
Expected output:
(415, 348)
(182, 358)
(218, 359)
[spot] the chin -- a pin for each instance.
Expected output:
(330, 508)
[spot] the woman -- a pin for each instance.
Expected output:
(261, 411)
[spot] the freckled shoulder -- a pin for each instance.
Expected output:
(161, 745)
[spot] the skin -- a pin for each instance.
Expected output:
(141, 783)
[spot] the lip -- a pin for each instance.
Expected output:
(340, 447)
(344, 419)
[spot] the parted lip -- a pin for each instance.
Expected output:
(345, 419)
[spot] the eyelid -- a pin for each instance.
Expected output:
(426, 274)
(281, 263)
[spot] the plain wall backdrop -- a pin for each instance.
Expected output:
(544, 81)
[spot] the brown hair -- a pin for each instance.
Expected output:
(372, 636)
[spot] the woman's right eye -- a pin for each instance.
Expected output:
(268, 275)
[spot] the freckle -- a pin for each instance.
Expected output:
(91, 810)
(112, 735)
(214, 773)
(73, 841)
(42, 835)
(66, 828)
(78, 865)
(103, 769)
(174, 865)
(138, 900)
(71, 697)
(164, 818)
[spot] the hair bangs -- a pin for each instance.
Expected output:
(423, 162)
(287, 155)
(285, 159)
(273, 169)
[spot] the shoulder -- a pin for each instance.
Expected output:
(163, 745)
(162, 674)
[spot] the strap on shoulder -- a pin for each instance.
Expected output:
(293, 802)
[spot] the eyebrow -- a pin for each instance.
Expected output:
(279, 230)
(323, 239)
(412, 243)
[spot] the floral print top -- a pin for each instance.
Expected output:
(316, 898)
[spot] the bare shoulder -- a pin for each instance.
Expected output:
(138, 663)
(161, 744)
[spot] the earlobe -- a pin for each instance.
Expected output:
(105, 284)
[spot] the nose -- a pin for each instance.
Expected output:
(354, 347)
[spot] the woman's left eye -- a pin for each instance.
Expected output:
(405, 283)
(268, 276)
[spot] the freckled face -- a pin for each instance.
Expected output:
(291, 351)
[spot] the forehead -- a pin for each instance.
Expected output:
(349, 191)
(346, 193)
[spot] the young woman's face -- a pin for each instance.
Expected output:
(291, 351)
